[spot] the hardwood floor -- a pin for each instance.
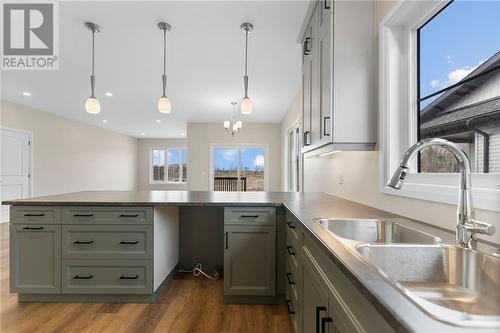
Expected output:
(189, 305)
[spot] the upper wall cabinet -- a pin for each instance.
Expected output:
(337, 76)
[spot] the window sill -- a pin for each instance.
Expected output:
(482, 198)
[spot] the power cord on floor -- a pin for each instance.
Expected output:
(198, 270)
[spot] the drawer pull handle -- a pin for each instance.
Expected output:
(290, 250)
(83, 215)
(33, 228)
(83, 242)
(324, 126)
(83, 277)
(249, 216)
(306, 45)
(129, 242)
(126, 277)
(129, 215)
(319, 309)
(33, 215)
(324, 321)
(289, 306)
(290, 225)
(288, 277)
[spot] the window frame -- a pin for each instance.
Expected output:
(165, 151)
(238, 146)
(398, 90)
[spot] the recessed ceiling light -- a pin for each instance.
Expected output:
(25, 93)
(109, 94)
(104, 120)
(143, 134)
(158, 120)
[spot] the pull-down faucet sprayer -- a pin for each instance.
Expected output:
(467, 226)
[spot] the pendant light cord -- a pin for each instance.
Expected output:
(164, 76)
(245, 79)
(92, 76)
(246, 53)
(164, 51)
(93, 42)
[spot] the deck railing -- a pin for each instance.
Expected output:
(229, 184)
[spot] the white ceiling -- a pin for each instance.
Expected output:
(205, 63)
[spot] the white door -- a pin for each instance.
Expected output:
(15, 167)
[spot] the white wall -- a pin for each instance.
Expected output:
(289, 121)
(360, 172)
(145, 146)
(201, 135)
(69, 156)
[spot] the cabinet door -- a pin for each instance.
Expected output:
(35, 259)
(250, 260)
(315, 78)
(306, 87)
(314, 300)
(325, 51)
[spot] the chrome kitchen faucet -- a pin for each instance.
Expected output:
(467, 226)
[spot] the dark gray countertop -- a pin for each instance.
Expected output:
(399, 311)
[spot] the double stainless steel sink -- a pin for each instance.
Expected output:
(450, 283)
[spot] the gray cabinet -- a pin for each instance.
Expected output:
(337, 69)
(81, 250)
(35, 258)
(250, 260)
(250, 251)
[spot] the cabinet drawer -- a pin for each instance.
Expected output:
(292, 239)
(83, 276)
(293, 309)
(292, 279)
(250, 216)
(293, 255)
(35, 214)
(107, 241)
(107, 215)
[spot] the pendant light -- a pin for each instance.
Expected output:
(233, 126)
(164, 105)
(92, 104)
(246, 104)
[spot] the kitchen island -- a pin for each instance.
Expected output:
(148, 224)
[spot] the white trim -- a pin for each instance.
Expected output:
(181, 162)
(292, 128)
(397, 91)
(238, 146)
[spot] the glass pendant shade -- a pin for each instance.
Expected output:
(227, 124)
(92, 105)
(239, 124)
(246, 106)
(164, 105)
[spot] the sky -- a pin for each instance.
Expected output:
(173, 156)
(227, 158)
(455, 42)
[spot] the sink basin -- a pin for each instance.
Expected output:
(450, 283)
(380, 231)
